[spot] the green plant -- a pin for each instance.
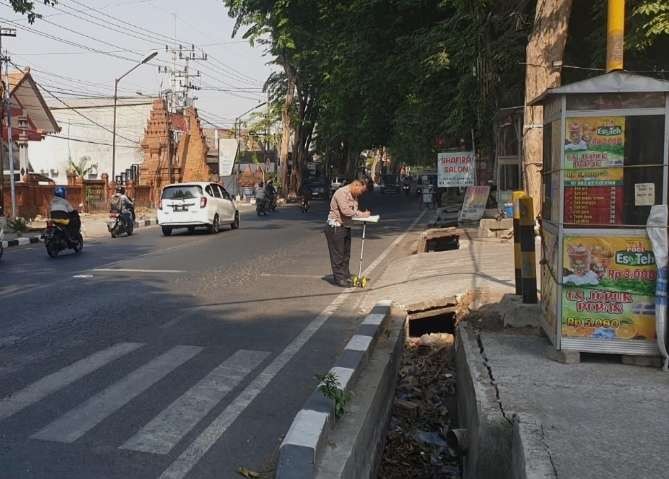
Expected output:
(18, 225)
(330, 387)
(83, 167)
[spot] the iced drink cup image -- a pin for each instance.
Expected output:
(600, 260)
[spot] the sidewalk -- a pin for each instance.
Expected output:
(597, 419)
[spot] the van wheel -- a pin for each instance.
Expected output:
(235, 223)
(167, 231)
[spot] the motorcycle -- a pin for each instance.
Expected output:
(304, 205)
(120, 223)
(57, 237)
(406, 189)
(261, 207)
(2, 248)
(271, 203)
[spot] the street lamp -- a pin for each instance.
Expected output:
(147, 59)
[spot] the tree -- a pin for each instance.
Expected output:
(27, 7)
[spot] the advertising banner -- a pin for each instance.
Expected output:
(473, 206)
(227, 155)
(593, 175)
(456, 168)
(608, 288)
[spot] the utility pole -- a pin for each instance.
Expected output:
(181, 77)
(6, 32)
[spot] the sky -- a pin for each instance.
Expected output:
(80, 46)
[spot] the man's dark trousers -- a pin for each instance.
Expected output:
(339, 244)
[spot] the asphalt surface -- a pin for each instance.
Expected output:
(186, 356)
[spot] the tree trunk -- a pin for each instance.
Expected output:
(546, 45)
(287, 129)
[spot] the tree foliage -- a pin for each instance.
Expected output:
(415, 75)
(27, 7)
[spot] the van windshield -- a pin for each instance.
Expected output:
(185, 192)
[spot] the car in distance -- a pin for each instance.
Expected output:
(197, 204)
(318, 187)
(336, 183)
(390, 184)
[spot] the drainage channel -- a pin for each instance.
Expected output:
(424, 414)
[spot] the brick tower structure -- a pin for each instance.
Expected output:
(193, 149)
(156, 170)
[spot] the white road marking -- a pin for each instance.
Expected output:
(131, 270)
(168, 428)
(83, 276)
(202, 443)
(278, 275)
(64, 377)
(78, 421)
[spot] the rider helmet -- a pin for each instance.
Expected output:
(60, 192)
(120, 190)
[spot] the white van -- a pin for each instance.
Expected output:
(192, 205)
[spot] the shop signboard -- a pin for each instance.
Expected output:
(473, 206)
(593, 176)
(608, 288)
(456, 169)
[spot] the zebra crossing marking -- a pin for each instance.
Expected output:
(165, 431)
(64, 377)
(78, 421)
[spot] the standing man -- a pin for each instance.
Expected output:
(343, 207)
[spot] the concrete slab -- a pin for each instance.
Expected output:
(599, 420)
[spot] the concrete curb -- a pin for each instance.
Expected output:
(304, 441)
(355, 447)
(480, 411)
(530, 457)
(21, 241)
(36, 239)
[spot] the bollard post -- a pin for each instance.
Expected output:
(528, 257)
(516, 240)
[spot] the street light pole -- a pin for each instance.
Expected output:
(147, 59)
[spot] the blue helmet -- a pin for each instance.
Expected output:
(61, 192)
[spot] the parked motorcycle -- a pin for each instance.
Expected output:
(58, 237)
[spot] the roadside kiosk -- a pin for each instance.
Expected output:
(606, 145)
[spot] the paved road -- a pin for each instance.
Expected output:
(187, 356)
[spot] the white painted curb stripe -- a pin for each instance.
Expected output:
(359, 343)
(306, 429)
(170, 426)
(64, 377)
(374, 319)
(344, 375)
(193, 453)
(78, 421)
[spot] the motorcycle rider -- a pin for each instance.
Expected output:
(61, 209)
(122, 205)
(271, 193)
(261, 194)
